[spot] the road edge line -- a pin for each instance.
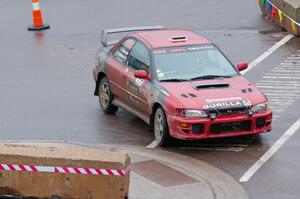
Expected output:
(152, 145)
(276, 146)
(268, 52)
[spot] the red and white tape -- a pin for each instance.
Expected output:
(68, 170)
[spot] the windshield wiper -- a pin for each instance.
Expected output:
(174, 80)
(209, 77)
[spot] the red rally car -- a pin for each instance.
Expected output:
(178, 82)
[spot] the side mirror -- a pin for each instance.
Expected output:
(242, 66)
(141, 74)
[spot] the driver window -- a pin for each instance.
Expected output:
(139, 58)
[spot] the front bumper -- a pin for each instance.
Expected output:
(221, 126)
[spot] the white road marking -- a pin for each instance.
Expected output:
(289, 64)
(268, 52)
(277, 87)
(286, 71)
(289, 98)
(276, 81)
(282, 92)
(282, 102)
(230, 149)
(270, 82)
(290, 61)
(291, 131)
(285, 67)
(279, 77)
(152, 145)
(276, 94)
(285, 74)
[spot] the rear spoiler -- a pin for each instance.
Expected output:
(105, 33)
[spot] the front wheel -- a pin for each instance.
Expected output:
(161, 129)
(105, 97)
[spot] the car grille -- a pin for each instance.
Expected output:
(228, 111)
(230, 127)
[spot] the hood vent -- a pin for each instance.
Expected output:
(188, 95)
(184, 95)
(210, 86)
(192, 95)
(249, 90)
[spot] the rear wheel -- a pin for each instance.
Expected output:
(105, 97)
(161, 129)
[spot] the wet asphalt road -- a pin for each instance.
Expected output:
(46, 79)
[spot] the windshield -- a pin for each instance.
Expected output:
(191, 63)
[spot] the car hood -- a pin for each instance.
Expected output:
(215, 93)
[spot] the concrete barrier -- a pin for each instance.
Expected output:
(70, 173)
(290, 14)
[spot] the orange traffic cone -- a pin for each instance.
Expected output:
(37, 17)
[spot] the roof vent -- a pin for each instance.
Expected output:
(178, 39)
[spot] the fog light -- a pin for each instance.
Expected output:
(260, 122)
(269, 117)
(183, 125)
(197, 128)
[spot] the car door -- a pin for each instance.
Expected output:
(118, 70)
(138, 59)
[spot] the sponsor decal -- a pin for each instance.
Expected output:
(134, 85)
(224, 99)
(229, 104)
(157, 52)
(203, 47)
(178, 50)
(182, 49)
(139, 82)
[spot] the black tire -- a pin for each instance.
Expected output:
(106, 97)
(160, 127)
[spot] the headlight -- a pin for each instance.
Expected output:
(260, 107)
(194, 113)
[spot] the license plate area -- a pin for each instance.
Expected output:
(230, 127)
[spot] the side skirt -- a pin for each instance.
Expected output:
(130, 110)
